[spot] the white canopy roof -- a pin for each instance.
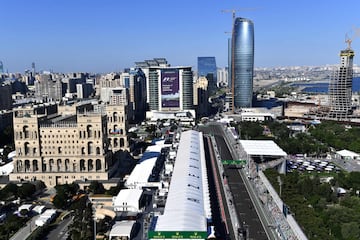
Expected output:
(188, 203)
(7, 168)
(140, 174)
(122, 229)
(347, 153)
(262, 147)
(129, 196)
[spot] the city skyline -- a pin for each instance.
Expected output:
(94, 36)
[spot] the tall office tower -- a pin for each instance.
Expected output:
(84, 90)
(243, 62)
(137, 90)
(33, 72)
(5, 96)
(170, 88)
(223, 77)
(57, 148)
(340, 87)
(207, 68)
(201, 96)
(145, 65)
(49, 89)
(1, 67)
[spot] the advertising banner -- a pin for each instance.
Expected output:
(170, 88)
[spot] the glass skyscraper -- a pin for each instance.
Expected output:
(207, 68)
(243, 60)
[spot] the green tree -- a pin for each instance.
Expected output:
(26, 190)
(250, 130)
(10, 191)
(350, 231)
(82, 225)
(113, 191)
(96, 187)
(61, 201)
(64, 194)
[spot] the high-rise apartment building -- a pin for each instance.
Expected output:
(242, 64)
(170, 88)
(340, 87)
(134, 81)
(201, 97)
(223, 77)
(207, 68)
(136, 84)
(5, 96)
(59, 149)
(145, 65)
(48, 88)
(84, 90)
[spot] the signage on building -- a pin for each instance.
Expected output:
(170, 88)
(234, 162)
(177, 235)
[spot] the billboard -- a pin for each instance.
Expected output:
(170, 88)
(177, 235)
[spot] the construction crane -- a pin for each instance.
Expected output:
(349, 40)
(233, 11)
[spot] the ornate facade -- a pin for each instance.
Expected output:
(59, 149)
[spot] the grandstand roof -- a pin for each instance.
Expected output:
(262, 148)
(188, 204)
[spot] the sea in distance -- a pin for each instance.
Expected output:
(323, 87)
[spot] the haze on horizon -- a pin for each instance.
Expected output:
(110, 35)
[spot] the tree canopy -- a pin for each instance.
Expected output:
(317, 208)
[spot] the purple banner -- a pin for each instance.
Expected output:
(170, 95)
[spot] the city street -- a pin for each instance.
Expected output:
(347, 165)
(60, 232)
(24, 232)
(250, 224)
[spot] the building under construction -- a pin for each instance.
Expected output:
(340, 87)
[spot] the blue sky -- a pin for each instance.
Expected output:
(109, 35)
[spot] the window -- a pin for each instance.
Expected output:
(193, 200)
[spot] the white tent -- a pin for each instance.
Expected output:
(262, 147)
(188, 204)
(140, 174)
(346, 154)
(7, 168)
(121, 229)
(127, 200)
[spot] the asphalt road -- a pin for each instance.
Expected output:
(347, 165)
(220, 212)
(25, 232)
(60, 232)
(247, 215)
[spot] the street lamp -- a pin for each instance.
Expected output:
(94, 209)
(280, 184)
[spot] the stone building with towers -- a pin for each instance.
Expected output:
(60, 148)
